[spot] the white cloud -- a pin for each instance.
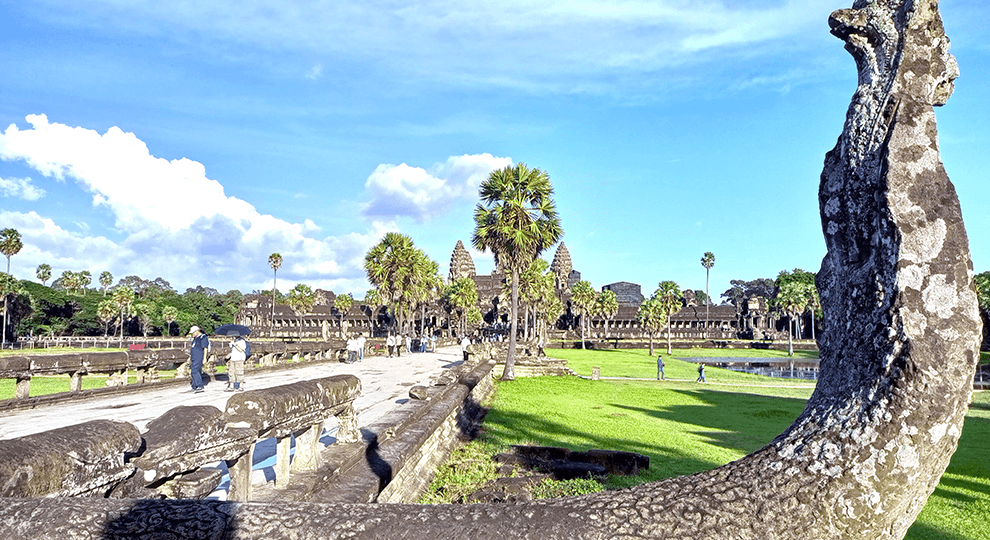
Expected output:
(402, 190)
(21, 188)
(315, 72)
(175, 222)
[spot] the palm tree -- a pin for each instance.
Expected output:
(106, 311)
(651, 317)
(669, 297)
(170, 313)
(708, 261)
(606, 305)
(123, 297)
(342, 304)
(401, 272)
(8, 285)
(462, 295)
(44, 272)
(275, 261)
(10, 244)
(372, 300)
(301, 299)
(106, 279)
(517, 220)
(583, 296)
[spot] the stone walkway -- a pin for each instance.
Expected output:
(385, 384)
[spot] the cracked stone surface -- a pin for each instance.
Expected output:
(897, 356)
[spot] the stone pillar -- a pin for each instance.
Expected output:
(347, 419)
(75, 381)
(282, 461)
(307, 456)
(596, 373)
(23, 389)
(240, 477)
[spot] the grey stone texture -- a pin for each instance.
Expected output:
(898, 353)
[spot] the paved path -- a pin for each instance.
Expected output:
(385, 384)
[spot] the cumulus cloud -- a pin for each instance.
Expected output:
(402, 190)
(21, 188)
(171, 217)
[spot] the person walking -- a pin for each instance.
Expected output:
(361, 341)
(701, 373)
(409, 348)
(197, 352)
(351, 349)
(390, 344)
(660, 373)
(235, 367)
(465, 341)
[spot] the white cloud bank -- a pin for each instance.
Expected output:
(21, 188)
(401, 190)
(175, 221)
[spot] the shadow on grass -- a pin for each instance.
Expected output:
(922, 531)
(505, 428)
(744, 422)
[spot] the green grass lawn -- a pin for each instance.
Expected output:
(637, 363)
(42, 386)
(685, 427)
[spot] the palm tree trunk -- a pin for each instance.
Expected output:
(668, 334)
(651, 343)
(790, 336)
(510, 358)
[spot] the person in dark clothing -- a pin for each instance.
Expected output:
(197, 352)
(660, 373)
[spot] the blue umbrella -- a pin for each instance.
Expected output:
(232, 330)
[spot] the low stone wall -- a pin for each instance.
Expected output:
(108, 458)
(145, 364)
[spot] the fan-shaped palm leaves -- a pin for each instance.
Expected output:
(668, 294)
(517, 220)
(10, 244)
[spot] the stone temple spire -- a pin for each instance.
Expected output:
(561, 267)
(461, 263)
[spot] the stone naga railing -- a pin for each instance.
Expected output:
(110, 458)
(145, 363)
(898, 351)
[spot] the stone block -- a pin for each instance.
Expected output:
(82, 459)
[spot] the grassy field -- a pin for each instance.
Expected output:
(637, 363)
(42, 386)
(685, 427)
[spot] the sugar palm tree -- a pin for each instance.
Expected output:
(651, 317)
(708, 261)
(301, 299)
(123, 297)
(400, 271)
(517, 220)
(372, 301)
(44, 272)
(275, 261)
(10, 244)
(606, 305)
(8, 286)
(106, 279)
(342, 304)
(669, 297)
(583, 297)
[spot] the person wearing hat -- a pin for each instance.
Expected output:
(197, 352)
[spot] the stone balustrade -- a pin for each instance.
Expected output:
(110, 458)
(146, 363)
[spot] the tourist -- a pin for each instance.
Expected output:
(351, 349)
(660, 373)
(465, 341)
(361, 341)
(390, 344)
(197, 352)
(235, 367)
(701, 373)
(433, 342)
(409, 348)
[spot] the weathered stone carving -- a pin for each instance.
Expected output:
(84, 459)
(898, 353)
(561, 267)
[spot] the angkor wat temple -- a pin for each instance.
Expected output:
(750, 320)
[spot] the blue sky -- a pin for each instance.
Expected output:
(189, 140)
